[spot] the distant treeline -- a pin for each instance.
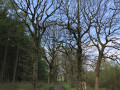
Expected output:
(109, 76)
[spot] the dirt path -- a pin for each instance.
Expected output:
(57, 87)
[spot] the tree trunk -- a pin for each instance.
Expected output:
(97, 71)
(79, 67)
(72, 75)
(16, 62)
(35, 70)
(65, 77)
(79, 50)
(84, 85)
(49, 78)
(50, 73)
(1, 37)
(96, 82)
(4, 61)
(61, 77)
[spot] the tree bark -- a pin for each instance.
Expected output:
(96, 82)
(51, 76)
(97, 71)
(35, 70)
(16, 62)
(65, 77)
(79, 50)
(84, 85)
(4, 61)
(1, 37)
(79, 67)
(72, 75)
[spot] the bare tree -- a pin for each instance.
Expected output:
(70, 67)
(77, 20)
(51, 51)
(69, 57)
(103, 34)
(36, 14)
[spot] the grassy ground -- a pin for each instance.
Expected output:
(28, 86)
(24, 86)
(68, 87)
(94, 89)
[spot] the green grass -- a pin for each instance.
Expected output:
(89, 88)
(68, 87)
(94, 89)
(24, 86)
(41, 86)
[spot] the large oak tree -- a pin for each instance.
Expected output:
(36, 14)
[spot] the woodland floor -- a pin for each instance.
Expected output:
(57, 87)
